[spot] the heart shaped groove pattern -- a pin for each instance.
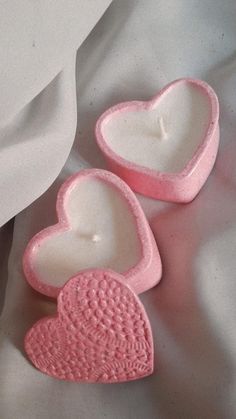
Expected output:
(100, 334)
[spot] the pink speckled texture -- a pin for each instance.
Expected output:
(141, 277)
(174, 187)
(101, 332)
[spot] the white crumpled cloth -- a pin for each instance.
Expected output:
(134, 50)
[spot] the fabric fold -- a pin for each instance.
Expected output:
(35, 145)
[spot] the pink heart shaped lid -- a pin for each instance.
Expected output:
(101, 332)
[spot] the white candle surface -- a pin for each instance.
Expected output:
(165, 137)
(103, 235)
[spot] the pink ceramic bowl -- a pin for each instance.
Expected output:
(176, 187)
(143, 275)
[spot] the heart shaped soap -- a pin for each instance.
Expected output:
(164, 148)
(101, 332)
(101, 225)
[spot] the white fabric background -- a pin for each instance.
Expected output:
(38, 42)
(134, 50)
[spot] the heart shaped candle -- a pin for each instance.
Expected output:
(101, 225)
(164, 148)
(100, 334)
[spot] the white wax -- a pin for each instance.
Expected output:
(166, 137)
(103, 235)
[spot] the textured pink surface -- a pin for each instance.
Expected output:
(175, 187)
(100, 334)
(140, 277)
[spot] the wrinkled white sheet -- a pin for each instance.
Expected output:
(38, 44)
(134, 50)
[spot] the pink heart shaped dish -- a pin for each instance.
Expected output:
(164, 148)
(100, 225)
(101, 332)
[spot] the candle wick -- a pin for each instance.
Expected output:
(96, 238)
(162, 127)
